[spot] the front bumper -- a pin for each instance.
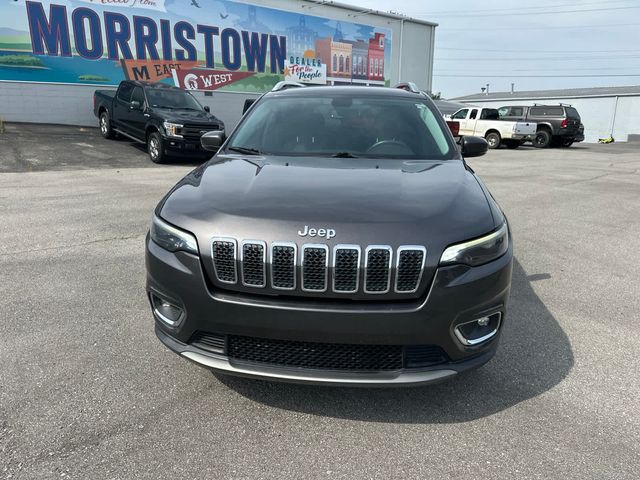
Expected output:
(175, 146)
(457, 295)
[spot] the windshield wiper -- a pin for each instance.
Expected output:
(344, 155)
(245, 150)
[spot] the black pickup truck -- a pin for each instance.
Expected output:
(170, 121)
(558, 125)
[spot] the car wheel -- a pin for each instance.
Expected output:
(493, 139)
(105, 126)
(542, 139)
(155, 148)
(512, 144)
(567, 143)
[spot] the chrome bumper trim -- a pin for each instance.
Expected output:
(222, 364)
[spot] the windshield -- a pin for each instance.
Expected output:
(343, 126)
(170, 98)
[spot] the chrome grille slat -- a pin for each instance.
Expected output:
(377, 269)
(253, 263)
(315, 266)
(346, 268)
(410, 261)
(223, 252)
(283, 265)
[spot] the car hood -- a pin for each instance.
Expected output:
(391, 202)
(186, 116)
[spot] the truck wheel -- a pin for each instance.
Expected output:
(512, 144)
(567, 143)
(155, 148)
(493, 139)
(542, 139)
(105, 126)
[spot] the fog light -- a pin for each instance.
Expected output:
(166, 311)
(479, 330)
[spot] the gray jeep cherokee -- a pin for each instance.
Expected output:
(337, 237)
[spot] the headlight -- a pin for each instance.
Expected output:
(479, 251)
(171, 238)
(172, 129)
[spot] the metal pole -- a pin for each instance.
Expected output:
(400, 56)
(615, 111)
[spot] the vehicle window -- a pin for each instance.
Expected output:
(373, 127)
(489, 114)
(572, 113)
(137, 95)
(517, 111)
(124, 92)
(554, 112)
(172, 98)
(474, 113)
(460, 114)
(503, 111)
(537, 111)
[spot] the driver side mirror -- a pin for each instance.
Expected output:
(473, 146)
(207, 109)
(213, 140)
(135, 105)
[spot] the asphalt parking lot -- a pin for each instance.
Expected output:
(86, 390)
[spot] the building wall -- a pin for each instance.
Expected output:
(597, 114)
(73, 104)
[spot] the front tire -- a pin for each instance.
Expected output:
(105, 126)
(155, 148)
(493, 139)
(542, 139)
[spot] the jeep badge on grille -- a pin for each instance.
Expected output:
(327, 233)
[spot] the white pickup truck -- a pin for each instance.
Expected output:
(485, 122)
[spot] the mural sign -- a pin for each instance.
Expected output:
(225, 44)
(303, 70)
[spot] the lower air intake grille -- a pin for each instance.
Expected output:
(324, 356)
(418, 356)
(209, 341)
(329, 356)
(377, 270)
(224, 260)
(314, 268)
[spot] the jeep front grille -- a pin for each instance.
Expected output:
(315, 263)
(377, 269)
(315, 268)
(223, 251)
(409, 267)
(253, 259)
(346, 268)
(283, 266)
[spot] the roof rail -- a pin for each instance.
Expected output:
(409, 87)
(286, 84)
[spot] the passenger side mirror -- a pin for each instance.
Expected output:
(135, 105)
(213, 140)
(207, 109)
(473, 146)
